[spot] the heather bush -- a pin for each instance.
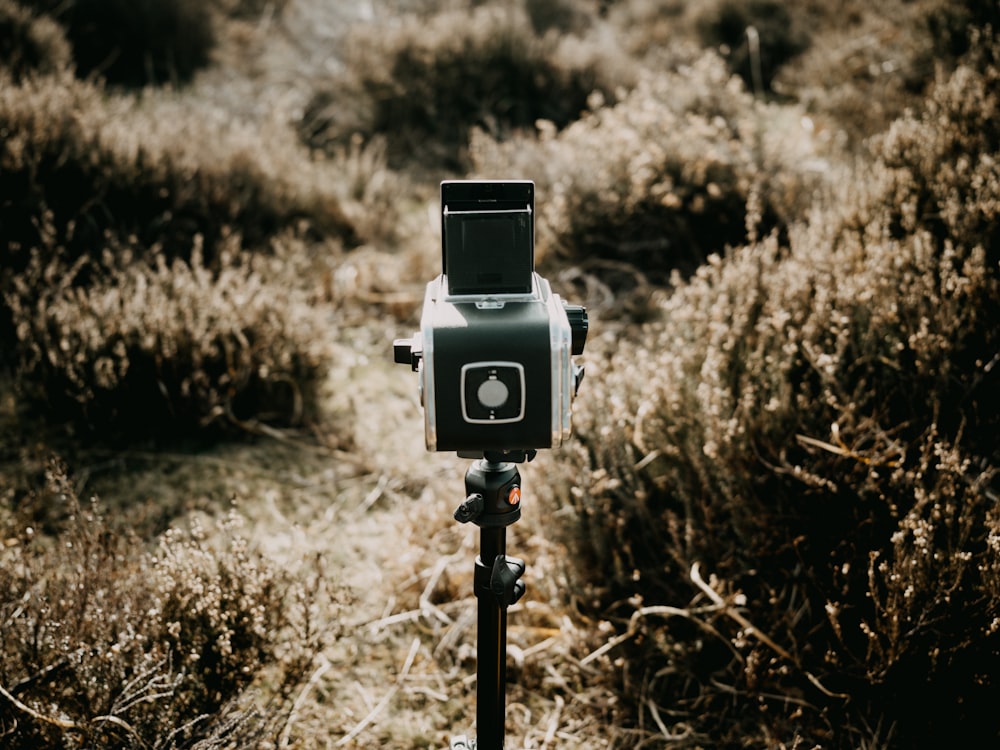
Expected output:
(109, 644)
(159, 347)
(120, 253)
(30, 44)
(955, 25)
(250, 9)
(158, 169)
(858, 76)
(566, 16)
(800, 526)
(667, 175)
(425, 82)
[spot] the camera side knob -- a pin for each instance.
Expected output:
(579, 325)
(408, 352)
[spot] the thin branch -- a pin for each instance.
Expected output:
(661, 610)
(121, 723)
(748, 627)
(23, 707)
(68, 724)
(550, 732)
(385, 699)
(40, 676)
(301, 699)
(734, 615)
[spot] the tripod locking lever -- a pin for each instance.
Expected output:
(471, 509)
(505, 581)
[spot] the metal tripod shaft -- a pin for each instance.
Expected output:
(493, 503)
(491, 646)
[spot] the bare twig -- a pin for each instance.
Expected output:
(360, 726)
(121, 724)
(667, 734)
(748, 628)
(25, 708)
(375, 494)
(639, 614)
(68, 724)
(550, 731)
(300, 699)
(426, 605)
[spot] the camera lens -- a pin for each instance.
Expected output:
(492, 393)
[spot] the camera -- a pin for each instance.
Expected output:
(495, 346)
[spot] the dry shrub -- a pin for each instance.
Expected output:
(667, 175)
(109, 644)
(869, 64)
(132, 347)
(809, 473)
(757, 37)
(655, 31)
(565, 16)
(425, 82)
(158, 169)
(121, 208)
(250, 9)
(30, 44)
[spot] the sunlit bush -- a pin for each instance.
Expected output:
(158, 347)
(29, 43)
(125, 296)
(157, 169)
(858, 77)
(109, 644)
(663, 178)
(425, 82)
(808, 477)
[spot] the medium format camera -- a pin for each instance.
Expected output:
(495, 346)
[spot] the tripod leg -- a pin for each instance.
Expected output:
(491, 668)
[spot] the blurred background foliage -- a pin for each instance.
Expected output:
(783, 218)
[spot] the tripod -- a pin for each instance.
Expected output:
(493, 502)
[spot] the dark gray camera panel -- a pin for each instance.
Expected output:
(466, 349)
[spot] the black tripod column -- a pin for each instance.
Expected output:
(493, 503)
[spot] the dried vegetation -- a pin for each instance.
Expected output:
(109, 643)
(809, 477)
(778, 526)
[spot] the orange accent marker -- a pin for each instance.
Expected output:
(515, 495)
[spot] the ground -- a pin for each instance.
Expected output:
(400, 671)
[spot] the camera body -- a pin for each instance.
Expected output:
(495, 346)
